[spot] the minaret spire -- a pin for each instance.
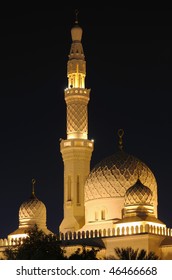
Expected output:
(33, 187)
(76, 16)
(76, 95)
(76, 149)
(120, 135)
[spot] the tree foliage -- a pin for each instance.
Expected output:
(37, 246)
(84, 254)
(131, 254)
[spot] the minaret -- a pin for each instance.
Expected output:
(76, 149)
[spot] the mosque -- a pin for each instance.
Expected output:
(112, 205)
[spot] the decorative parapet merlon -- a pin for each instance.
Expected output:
(11, 242)
(4, 242)
(111, 232)
(119, 231)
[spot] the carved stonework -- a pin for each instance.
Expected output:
(138, 194)
(32, 208)
(77, 118)
(114, 175)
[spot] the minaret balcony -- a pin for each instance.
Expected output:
(77, 92)
(76, 143)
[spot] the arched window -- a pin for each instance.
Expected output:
(102, 214)
(77, 191)
(69, 189)
(96, 216)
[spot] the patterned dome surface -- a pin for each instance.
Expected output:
(138, 194)
(112, 176)
(32, 208)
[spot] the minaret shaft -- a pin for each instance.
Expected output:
(77, 115)
(76, 149)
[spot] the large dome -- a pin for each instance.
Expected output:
(114, 175)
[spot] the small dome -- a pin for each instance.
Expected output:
(114, 175)
(33, 208)
(138, 194)
(31, 212)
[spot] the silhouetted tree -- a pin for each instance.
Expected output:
(131, 254)
(84, 254)
(37, 246)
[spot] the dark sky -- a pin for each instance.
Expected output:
(129, 71)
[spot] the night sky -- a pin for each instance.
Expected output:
(129, 71)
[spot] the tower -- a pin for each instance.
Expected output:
(76, 149)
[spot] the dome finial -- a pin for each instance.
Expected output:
(76, 16)
(120, 134)
(33, 187)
